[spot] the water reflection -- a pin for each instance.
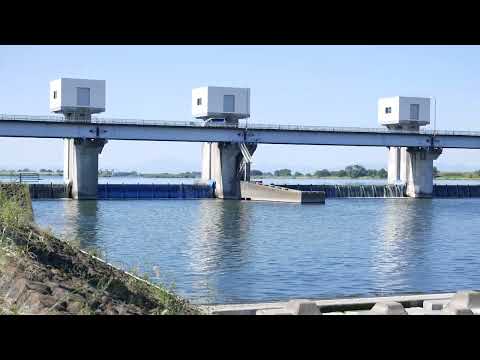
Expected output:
(399, 252)
(81, 222)
(218, 251)
(219, 242)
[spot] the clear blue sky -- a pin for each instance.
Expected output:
(309, 85)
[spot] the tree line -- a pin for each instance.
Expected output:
(351, 171)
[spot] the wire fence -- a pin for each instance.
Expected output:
(240, 125)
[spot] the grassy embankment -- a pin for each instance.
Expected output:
(40, 274)
(458, 176)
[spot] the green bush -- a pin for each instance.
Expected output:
(15, 206)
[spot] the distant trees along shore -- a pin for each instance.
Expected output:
(351, 171)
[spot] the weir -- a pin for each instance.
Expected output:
(354, 191)
(228, 145)
(127, 191)
(205, 191)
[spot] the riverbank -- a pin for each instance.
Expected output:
(41, 274)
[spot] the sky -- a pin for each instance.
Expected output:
(294, 85)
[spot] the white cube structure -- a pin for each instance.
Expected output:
(77, 96)
(401, 110)
(221, 102)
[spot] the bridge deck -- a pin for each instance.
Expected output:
(196, 131)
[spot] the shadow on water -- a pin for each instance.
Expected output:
(220, 243)
(81, 222)
(399, 253)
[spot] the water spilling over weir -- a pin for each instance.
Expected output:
(202, 191)
(354, 191)
(388, 191)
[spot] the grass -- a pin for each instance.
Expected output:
(41, 253)
(15, 205)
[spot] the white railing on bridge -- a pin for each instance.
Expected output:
(251, 126)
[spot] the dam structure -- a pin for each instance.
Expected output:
(77, 100)
(412, 166)
(224, 162)
(228, 145)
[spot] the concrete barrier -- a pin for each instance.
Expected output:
(460, 303)
(254, 191)
(49, 191)
(433, 305)
(273, 312)
(464, 300)
(388, 308)
(302, 307)
(456, 311)
(349, 305)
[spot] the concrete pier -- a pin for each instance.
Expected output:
(222, 162)
(412, 167)
(396, 165)
(419, 168)
(81, 166)
(77, 100)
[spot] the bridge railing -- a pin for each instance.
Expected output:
(252, 126)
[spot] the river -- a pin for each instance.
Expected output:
(214, 251)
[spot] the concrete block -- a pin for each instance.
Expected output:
(436, 312)
(259, 192)
(415, 311)
(303, 307)
(358, 312)
(451, 310)
(465, 300)
(235, 312)
(388, 308)
(334, 313)
(280, 311)
(430, 305)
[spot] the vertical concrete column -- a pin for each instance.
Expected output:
(403, 165)
(83, 167)
(246, 172)
(393, 165)
(67, 161)
(221, 162)
(80, 169)
(419, 171)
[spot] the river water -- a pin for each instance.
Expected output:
(215, 251)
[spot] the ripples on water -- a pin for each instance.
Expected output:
(216, 251)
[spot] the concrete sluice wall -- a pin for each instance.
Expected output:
(154, 191)
(259, 192)
(127, 191)
(49, 191)
(456, 191)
